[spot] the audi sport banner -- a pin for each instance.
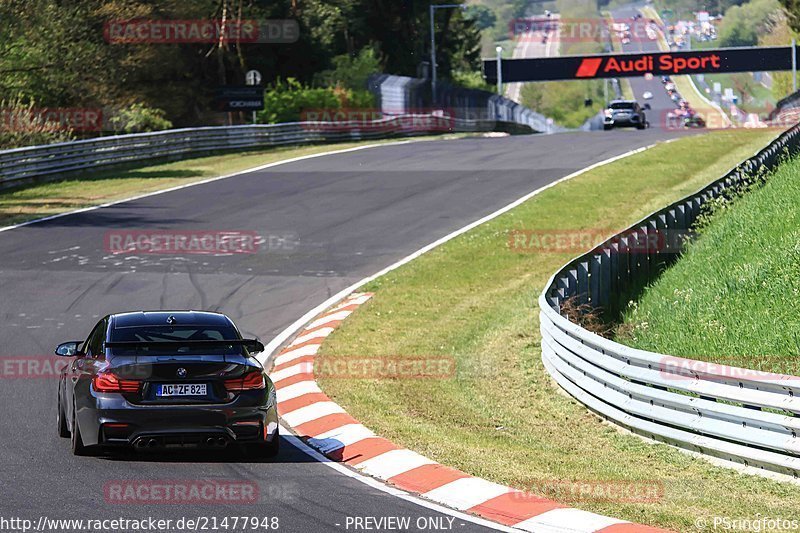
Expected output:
(239, 98)
(631, 65)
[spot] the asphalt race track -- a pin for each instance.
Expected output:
(341, 217)
(660, 104)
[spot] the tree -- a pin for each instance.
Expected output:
(55, 52)
(482, 16)
(742, 25)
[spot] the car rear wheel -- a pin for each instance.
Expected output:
(77, 442)
(267, 450)
(63, 430)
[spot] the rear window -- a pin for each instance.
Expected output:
(175, 334)
(622, 105)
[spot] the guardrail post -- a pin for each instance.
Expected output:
(595, 280)
(680, 216)
(624, 262)
(604, 292)
(562, 287)
(583, 282)
(572, 282)
(614, 268)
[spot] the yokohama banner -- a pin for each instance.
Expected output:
(632, 65)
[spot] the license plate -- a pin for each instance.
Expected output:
(182, 389)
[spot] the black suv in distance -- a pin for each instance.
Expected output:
(166, 380)
(624, 113)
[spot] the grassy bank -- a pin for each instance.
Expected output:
(84, 190)
(732, 298)
(499, 416)
(753, 96)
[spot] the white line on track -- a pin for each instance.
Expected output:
(209, 180)
(284, 335)
(375, 484)
(280, 339)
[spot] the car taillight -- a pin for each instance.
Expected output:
(250, 381)
(108, 382)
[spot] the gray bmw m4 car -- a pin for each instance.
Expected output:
(165, 380)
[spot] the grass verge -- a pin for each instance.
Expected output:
(732, 298)
(500, 417)
(85, 190)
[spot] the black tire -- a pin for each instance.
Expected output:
(63, 430)
(607, 128)
(268, 450)
(77, 442)
(640, 126)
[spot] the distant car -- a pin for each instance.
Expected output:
(624, 113)
(647, 95)
(694, 121)
(163, 380)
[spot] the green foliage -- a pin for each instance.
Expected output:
(520, 7)
(482, 16)
(580, 9)
(742, 25)
(285, 101)
(779, 33)
(564, 100)
(55, 53)
(685, 9)
(732, 297)
(792, 8)
(351, 72)
(471, 79)
(22, 125)
(138, 118)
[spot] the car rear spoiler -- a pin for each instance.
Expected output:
(252, 345)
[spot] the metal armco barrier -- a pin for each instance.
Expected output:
(735, 414)
(401, 94)
(22, 164)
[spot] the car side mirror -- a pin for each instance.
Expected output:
(68, 349)
(254, 345)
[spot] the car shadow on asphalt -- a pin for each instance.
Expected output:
(233, 454)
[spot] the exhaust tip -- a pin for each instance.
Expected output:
(221, 442)
(210, 442)
(152, 443)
